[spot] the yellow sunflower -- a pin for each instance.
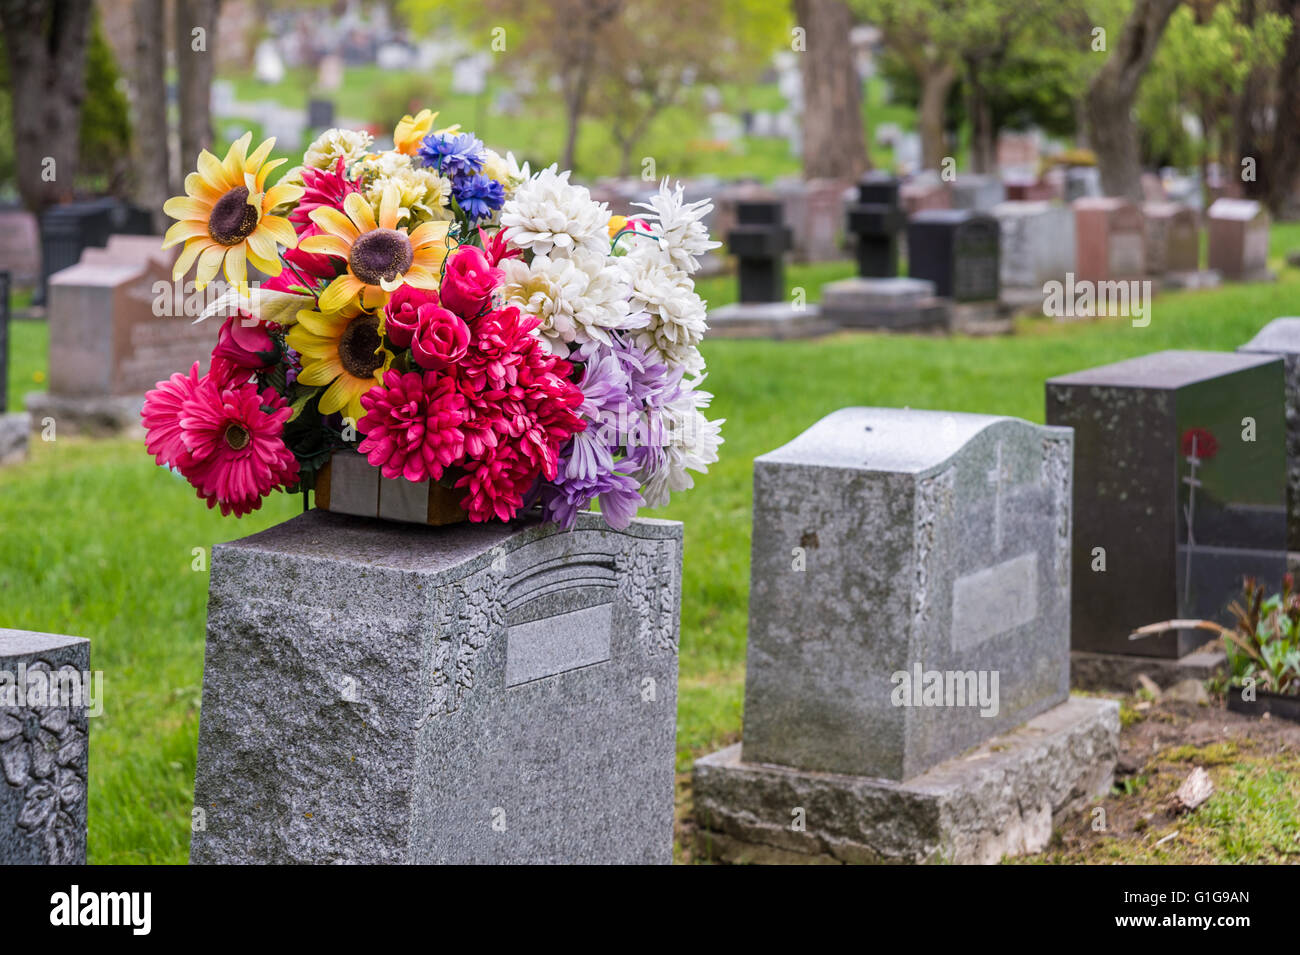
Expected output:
(343, 349)
(380, 256)
(226, 215)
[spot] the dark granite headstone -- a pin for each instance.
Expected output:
(1172, 492)
(69, 229)
(1281, 337)
(759, 240)
(874, 220)
(957, 250)
(320, 113)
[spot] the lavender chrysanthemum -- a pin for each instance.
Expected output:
(617, 490)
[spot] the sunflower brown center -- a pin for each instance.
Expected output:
(380, 254)
(237, 437)
(233, 219)
(358, 345)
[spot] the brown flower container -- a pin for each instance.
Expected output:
(348, 484)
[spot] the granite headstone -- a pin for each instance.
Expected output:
(957, 250)
(1281, 337)
(375, 692)
(1239, 239)
(1179, 492)
(43, 748)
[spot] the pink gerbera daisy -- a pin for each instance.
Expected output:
(233, 438)
(162, 417)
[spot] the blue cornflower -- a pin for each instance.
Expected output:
(478, 196)
(452, 154)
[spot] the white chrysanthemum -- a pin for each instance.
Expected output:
(675, 224)
(677, 316)
(577, 299)
(548, 215)
(351, 144)
(690, 443)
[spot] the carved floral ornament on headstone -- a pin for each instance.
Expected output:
(42, 750)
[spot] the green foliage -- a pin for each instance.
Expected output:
(105, 119)
(1265, 646)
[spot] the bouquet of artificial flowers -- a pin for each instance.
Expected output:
(449, 315)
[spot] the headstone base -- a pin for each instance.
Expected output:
(15, 430)
(1022, 299)
(1118, 671)
(1205, 278)
(768, 320)
(1259, 275)
(979, 318)
(98, 417)
(1002, 798)
(889, 303)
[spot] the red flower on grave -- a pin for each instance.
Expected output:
(1199, 443)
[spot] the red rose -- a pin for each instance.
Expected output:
(468, 282)
(244, 345)
(1199, 443)
(401, 314)
(441, 339)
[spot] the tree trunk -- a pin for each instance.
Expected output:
(149, 144)
(196, 58)
(46, 43)
(834, 145)
(936, 85)
(983, 145)
(1284, 166)
(1112, 131)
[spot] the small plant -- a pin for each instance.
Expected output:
(1264, 644)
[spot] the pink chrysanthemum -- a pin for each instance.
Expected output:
(162, 417)
(321, 187)
(412, 425)
(233, 438)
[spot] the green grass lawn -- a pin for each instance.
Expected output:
(97, 541)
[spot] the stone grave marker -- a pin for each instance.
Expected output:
(925, 190)
(895, 550)
(1110, 243)
(320, 113)
(1239, 240)
(20, 244)
(43, 748)
(16, 426)
(1036, 245)
(1172, 241)
(979, 193)
(1082, 182)
(874, 220)
(466, 694)
(110, 342)
(957, 250)
(1180, 490)
(1281, 337)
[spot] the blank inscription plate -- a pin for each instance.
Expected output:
(551, 645)
(994, 600)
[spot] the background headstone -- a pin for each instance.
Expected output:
(1239, 239)
(874, 220)
(43, 752)
(957, 250)
(1110, 243)
(1036, 244)
(979, 193)
(482, 693)
(890, 543)
(759, 240)
(1161, 446)
(1281, 337)
(1172, 239)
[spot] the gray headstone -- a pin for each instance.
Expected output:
(376, 692)
(1281, 337)
(888, 540)
(43, 748)
(1037, 243)
(979, 193)
(1176, 494)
